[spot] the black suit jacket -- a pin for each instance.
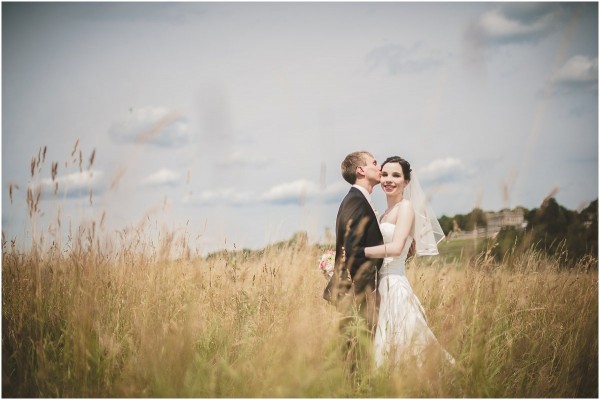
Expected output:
(356, 227)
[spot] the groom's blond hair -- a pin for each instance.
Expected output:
(351, 162)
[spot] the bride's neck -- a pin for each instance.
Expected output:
(392, 201)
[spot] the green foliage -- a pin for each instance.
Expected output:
(551, 228)
(508, 239)
(554, 230)
(446, 224)
(473, 220)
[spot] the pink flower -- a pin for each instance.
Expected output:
(327, 262)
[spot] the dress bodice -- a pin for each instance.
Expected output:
(393, 265)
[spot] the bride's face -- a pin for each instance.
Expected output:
(392, 179)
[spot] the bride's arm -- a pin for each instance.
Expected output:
(404, 222)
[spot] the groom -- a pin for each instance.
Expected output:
(354, 282)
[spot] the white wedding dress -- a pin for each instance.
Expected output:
(402, 330)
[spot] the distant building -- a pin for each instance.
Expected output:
(505, 218)
(495, 222)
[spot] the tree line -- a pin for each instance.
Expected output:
(465, 222)
(551, 228)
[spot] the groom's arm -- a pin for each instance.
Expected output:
(355, 235)
(333, 286)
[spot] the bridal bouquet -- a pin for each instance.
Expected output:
(326, 263)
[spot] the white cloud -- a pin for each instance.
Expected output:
(397, 58)
(518, 23)
(578, 69)
(153, 125)
(241, 158)
(295, 192)
(77, 184)
(496, 25)
(225, 196)
(303, 190)
(335, 193)
(290, 192)
(164, 176)
(443, 170)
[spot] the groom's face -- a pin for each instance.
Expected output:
(371, 170)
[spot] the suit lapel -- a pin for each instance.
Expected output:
(357, 192)
(369, 209)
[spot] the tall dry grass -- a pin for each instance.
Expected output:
(129, 323)
(115, 316)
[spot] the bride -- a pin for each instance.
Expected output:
(402, 330)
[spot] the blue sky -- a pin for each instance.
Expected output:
(230, 120)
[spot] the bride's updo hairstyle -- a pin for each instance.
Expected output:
(403, 163)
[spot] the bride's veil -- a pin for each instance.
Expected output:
(428, 232)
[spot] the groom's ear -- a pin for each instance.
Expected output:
(360, 171)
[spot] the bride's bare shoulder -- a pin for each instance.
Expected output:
(405, 211)
(405, 204)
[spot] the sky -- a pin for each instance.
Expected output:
(228, 122)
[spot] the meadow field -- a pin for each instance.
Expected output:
(90, 320)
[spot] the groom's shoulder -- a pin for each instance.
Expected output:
(353, 193)
(354, 198)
